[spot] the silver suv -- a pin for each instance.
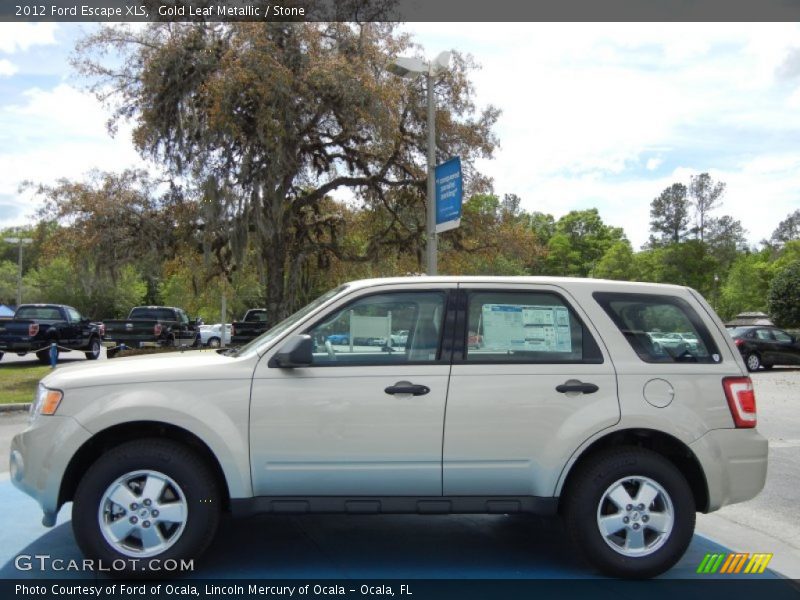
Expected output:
(565, 406)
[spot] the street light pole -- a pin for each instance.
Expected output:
(432, 246)
(413, 67)
(21, 242)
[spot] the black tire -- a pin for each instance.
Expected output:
(95, 349)
(201, 499)
(753, 361)
(586, 503)
(214, 342)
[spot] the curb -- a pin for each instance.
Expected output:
(15, 407)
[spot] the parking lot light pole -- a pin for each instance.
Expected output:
(410, 68)
(21, 242)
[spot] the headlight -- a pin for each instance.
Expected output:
(46, 401)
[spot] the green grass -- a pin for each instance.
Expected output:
(18, 381)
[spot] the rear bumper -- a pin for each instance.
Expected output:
(15, 346)
(735, 464)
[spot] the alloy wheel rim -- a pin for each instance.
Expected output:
(635, 516)
(142, 513)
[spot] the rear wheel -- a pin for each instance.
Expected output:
(94, 349)
(753, 361)
(146, 499)
(630, 513)
(214, 342)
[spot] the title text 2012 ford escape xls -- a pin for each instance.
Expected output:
(567, 405)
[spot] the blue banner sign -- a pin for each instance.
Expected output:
(449, 193)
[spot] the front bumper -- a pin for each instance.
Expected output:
(735, 465)
(40, 456)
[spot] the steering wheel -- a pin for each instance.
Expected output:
(330, 350)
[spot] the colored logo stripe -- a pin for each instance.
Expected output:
(734, 563)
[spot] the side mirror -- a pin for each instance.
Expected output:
(296, 352)
(198, 321)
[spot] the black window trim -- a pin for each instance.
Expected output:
(460, 357)
(703, 332)
(443, 352)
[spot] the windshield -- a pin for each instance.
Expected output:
(286, 324)
(148, 313)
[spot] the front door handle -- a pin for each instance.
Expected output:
(403, 387)
(577, 386)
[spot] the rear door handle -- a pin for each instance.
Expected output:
(401, 387)
(577, 386)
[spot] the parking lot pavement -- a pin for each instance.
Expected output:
(346, 547)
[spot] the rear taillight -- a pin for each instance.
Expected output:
(102, 329)
(33, 329)
(738, 342)
(741, 400)
(233, 331)
(157, 329)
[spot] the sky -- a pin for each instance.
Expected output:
(593, 115)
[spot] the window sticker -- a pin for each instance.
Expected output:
(525, 327)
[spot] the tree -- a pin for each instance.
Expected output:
(110, 221)
(617, 263)
(746, 285)
(784, 296)
(669, 215)
(9, 273)
(787, 230)
(271, 118)
(726, 240)
(706, 195)
(580, 241)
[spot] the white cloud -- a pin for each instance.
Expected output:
(21, 36)
(7, 68)
(594, 113)
(53, 134)
(653, 163)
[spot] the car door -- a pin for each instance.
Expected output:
(362, 420)
(788, 348)
(529, 385)
(71, 333)
(766, 346)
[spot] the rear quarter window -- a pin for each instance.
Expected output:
(660, 328)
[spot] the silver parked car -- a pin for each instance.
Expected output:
(566, 406)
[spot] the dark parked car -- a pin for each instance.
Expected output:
(36, 326)
(766, 347)
(252, 325)
(162, 325)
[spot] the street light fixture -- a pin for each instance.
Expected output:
(410, 68)
(21, 242)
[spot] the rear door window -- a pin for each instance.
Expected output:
(526, 327)
(660, 328)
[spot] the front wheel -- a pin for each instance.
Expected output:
(214, 342)
(753, 362)
(94, 349)
(146, 499)
(630, 512)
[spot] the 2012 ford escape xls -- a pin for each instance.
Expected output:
(502, 395)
